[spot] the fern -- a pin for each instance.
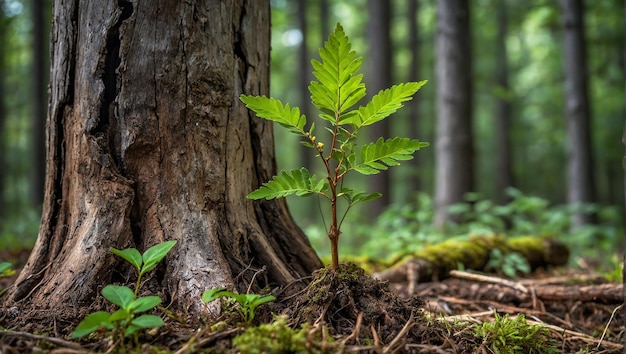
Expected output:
(336, 92)
(298, 182)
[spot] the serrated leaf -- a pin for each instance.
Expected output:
(272, 109)
(131, 255)
(155, 254)
(386, 102)
(339, 85)
(355, 197)
(298, 182)
(122, 296)
(91, 323)
(376, 157)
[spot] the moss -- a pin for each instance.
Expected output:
(278, 337)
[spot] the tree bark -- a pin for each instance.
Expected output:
(147, 142)
(454, 172)
(414, 48)
(580, 165)
(379, 78)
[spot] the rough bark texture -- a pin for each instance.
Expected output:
(147, 141)
(580, 166)
(454, 146)
(378, 77)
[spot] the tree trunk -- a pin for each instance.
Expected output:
(504, 173)
(379, 78)
(147, 142)
(3, 111)
(580, 166)
(414, 48)
(454, 173)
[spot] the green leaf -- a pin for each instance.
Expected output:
(131, 255)
(254, 300)
(147, 321)
(376, 157)
(355, 197)
(213, 294)
(122, 296)
(155, 254)
(272, 109)
(385, 103)
(144, 303)
(119, 315)
(91, 323)
(297, 182)
(339, 87)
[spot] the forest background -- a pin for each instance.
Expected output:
(521, 40)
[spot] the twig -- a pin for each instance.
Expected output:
(607, 325)
(55, 341)
(391, 348)
(489, 279)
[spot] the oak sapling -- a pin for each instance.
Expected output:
(337, 91)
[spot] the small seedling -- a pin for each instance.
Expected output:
(125, 322)
(248, 302)
(337, 91)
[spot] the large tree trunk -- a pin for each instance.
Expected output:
(580, 166)
(454, 173)
(147, 141)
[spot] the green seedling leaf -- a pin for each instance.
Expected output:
(254, 300)
(272, 109)
(120, 315)
(147, 321)
(376, 157)
(355, 197)
(385, 103)
(214, 294)
(144, 303)
(131, 255)
(155, 254)
(297, 182)
(122, 296)
(339, 87)
(91, 323)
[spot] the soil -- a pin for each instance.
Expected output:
(350, 311)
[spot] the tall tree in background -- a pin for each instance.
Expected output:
(502, 116)
(40, 98)
(304, 67)
(324, 22)
(146, 142)
(412, 14)
(580, 188)
(454, 175)
(3, 110)
(379, 64)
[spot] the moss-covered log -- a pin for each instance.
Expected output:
(435, 261)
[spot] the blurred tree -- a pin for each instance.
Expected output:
(304, 68)
(136, 158)
(3, 110)
(414, 48)
(454, 141)
(379, 65)
(324, 22)
(580, 167)
(502, 116)
(40, 63)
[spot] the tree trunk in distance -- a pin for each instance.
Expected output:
(413, 10)
(379, 78)
(504, 173)
(454, 172)
(3, 111)
(147, 141)
(580, 165)
(40, 101)
(304, 68)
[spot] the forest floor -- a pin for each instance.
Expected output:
(579, 311)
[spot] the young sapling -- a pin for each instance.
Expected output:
(337, 90)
